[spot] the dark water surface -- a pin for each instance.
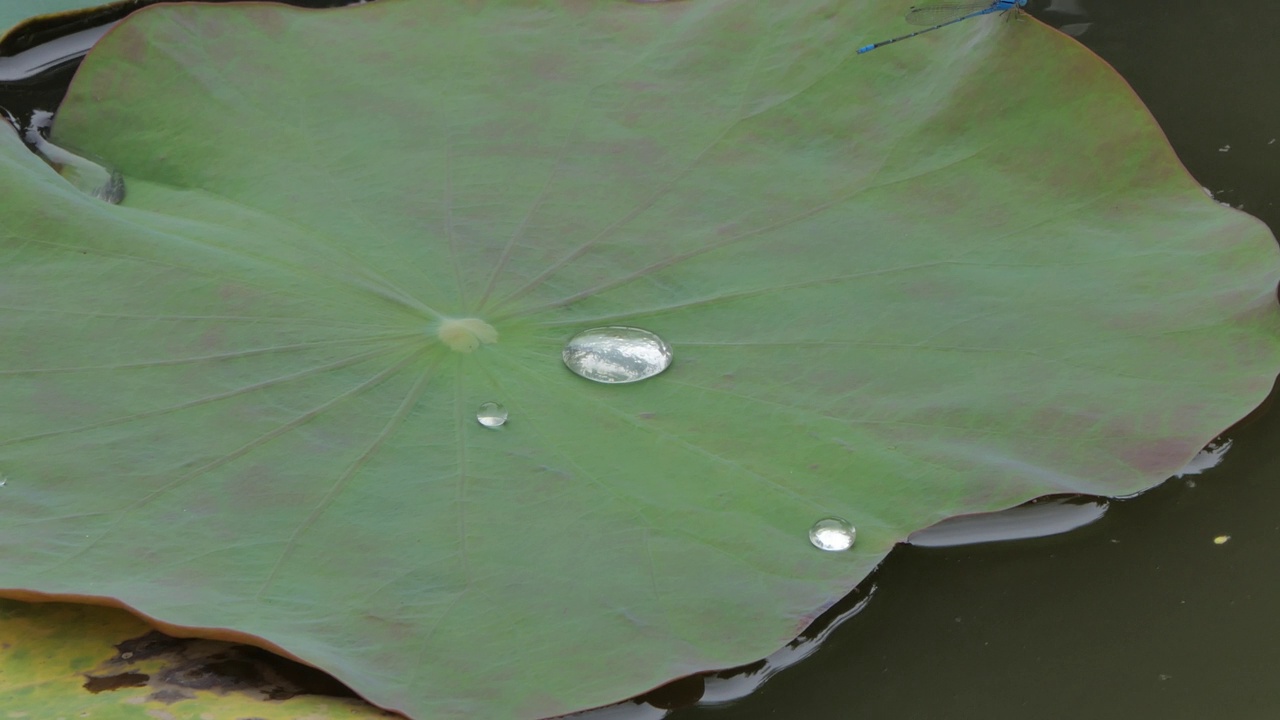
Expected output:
(1140, 614)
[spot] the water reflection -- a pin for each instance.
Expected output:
(46, 56)
(1206, 459)
(1038, 518)
(735, 683)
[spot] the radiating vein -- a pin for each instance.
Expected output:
(245, 449)
(370, 281)
(690, 446)
(392, 425)
(380, 285)
(805, 414)
(518, 233)
(450, 230)
(710, 454)
(238, 354)
(252, 319)
(460, 491)
(392, 291)
(660, 192)
(869, 346)
(388, 292)
(571, 137)
(735, 296)
(345, 362)
(689, 255)
(548, 445)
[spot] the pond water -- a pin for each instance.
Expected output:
(1161, 606)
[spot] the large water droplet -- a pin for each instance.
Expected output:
(491, 414)
(832, 534)
(617, 354)
(88, 176)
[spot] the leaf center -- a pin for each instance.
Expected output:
(466, 334)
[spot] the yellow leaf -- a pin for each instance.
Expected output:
(95, 663)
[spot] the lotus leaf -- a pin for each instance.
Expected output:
(943, 278)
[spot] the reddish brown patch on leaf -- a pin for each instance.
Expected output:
(1062, 421)
(1160, 455)
(271, 22)
(135, 47)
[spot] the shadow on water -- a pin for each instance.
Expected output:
(1158, 606)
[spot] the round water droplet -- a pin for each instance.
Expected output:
(832, 534)
(491, 414)
(617, 354)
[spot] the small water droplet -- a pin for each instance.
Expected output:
(617, 354)
(491, 414)
(832, 534)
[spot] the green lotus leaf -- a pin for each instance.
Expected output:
(945, 277)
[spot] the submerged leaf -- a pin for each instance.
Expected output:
(944, 278)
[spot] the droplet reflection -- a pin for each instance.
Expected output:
(832, 534)
(616, 354)
(491, 414)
